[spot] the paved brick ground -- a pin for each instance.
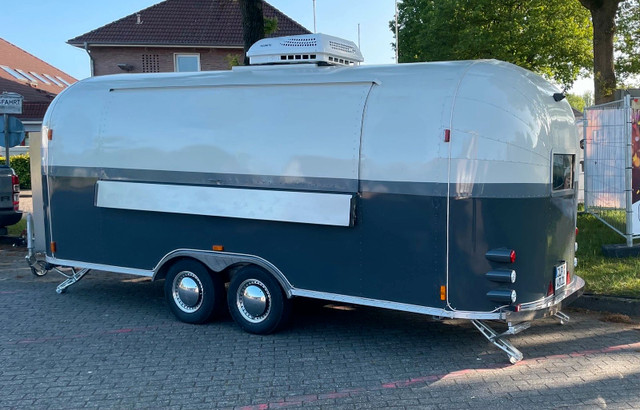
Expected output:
(111, 342)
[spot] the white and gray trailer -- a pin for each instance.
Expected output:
(437, 188)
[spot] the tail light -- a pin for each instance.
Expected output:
(502, 255)
(15, 182)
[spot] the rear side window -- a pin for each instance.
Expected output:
(563, 171)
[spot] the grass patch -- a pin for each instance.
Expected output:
(17, 229)
(605, 276)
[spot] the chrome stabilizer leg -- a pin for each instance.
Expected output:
(498, 340)
(71, 279)
(563, 318)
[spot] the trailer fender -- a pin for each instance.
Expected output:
(219, 261)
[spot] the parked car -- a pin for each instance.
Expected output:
(9, 198)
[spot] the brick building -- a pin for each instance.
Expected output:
(37, 81)
(175, 35)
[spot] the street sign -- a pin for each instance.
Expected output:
(16, 131)
(10, 103)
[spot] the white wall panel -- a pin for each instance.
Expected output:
(284, 206)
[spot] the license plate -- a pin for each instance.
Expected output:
(561, 275)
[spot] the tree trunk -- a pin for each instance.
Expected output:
(603, 16)
(252, 24)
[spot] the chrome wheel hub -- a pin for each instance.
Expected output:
(187, 291)
(253, 300)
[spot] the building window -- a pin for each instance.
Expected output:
(63, 80)
(150, 63)
(29, 76)
(187, 62)
(14, 73)
(39, 77)
(56, 82)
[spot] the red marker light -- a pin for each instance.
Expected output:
(576, 231)
(447, 135)
(15, 183)
(512, 256)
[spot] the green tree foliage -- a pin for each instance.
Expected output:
(576, 101)
(270, 25)
(550, 37)
(579, 102)
(627, 40)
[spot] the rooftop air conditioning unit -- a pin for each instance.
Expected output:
(306, 48)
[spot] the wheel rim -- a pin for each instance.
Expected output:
(253, 300)
(187, 291)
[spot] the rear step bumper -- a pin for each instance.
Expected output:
(549, 305)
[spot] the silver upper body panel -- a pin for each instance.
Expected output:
(370, 123)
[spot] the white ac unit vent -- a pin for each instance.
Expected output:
(306, 48)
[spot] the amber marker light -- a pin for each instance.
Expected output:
(443, 293)
(53, 247)
(50, 134)
(218, 248)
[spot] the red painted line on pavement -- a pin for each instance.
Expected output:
(400, 384)
(122, 331)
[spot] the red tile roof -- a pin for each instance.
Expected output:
(37, 94)
(186, 23)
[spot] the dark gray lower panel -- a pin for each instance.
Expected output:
(393, 252)
(540, 230)
(396, 251)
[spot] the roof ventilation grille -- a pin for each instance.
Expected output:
(306, 48)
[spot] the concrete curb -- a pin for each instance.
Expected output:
(601, 303)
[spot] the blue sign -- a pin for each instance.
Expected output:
(16, 132)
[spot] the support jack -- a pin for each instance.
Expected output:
(71, 279)
(40, 268)
(563, 318)
(498, 340)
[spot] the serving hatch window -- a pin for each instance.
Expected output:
(563, 166)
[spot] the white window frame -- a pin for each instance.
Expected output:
(175, 60)
(41, 78)
(25, 74)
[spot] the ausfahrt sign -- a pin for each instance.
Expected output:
(10, 103)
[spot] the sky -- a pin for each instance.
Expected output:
(42, 27)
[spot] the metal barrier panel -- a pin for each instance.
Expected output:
(607, 151)
(635, 166)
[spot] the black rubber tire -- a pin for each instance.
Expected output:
(279, 307)
(211, 299)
